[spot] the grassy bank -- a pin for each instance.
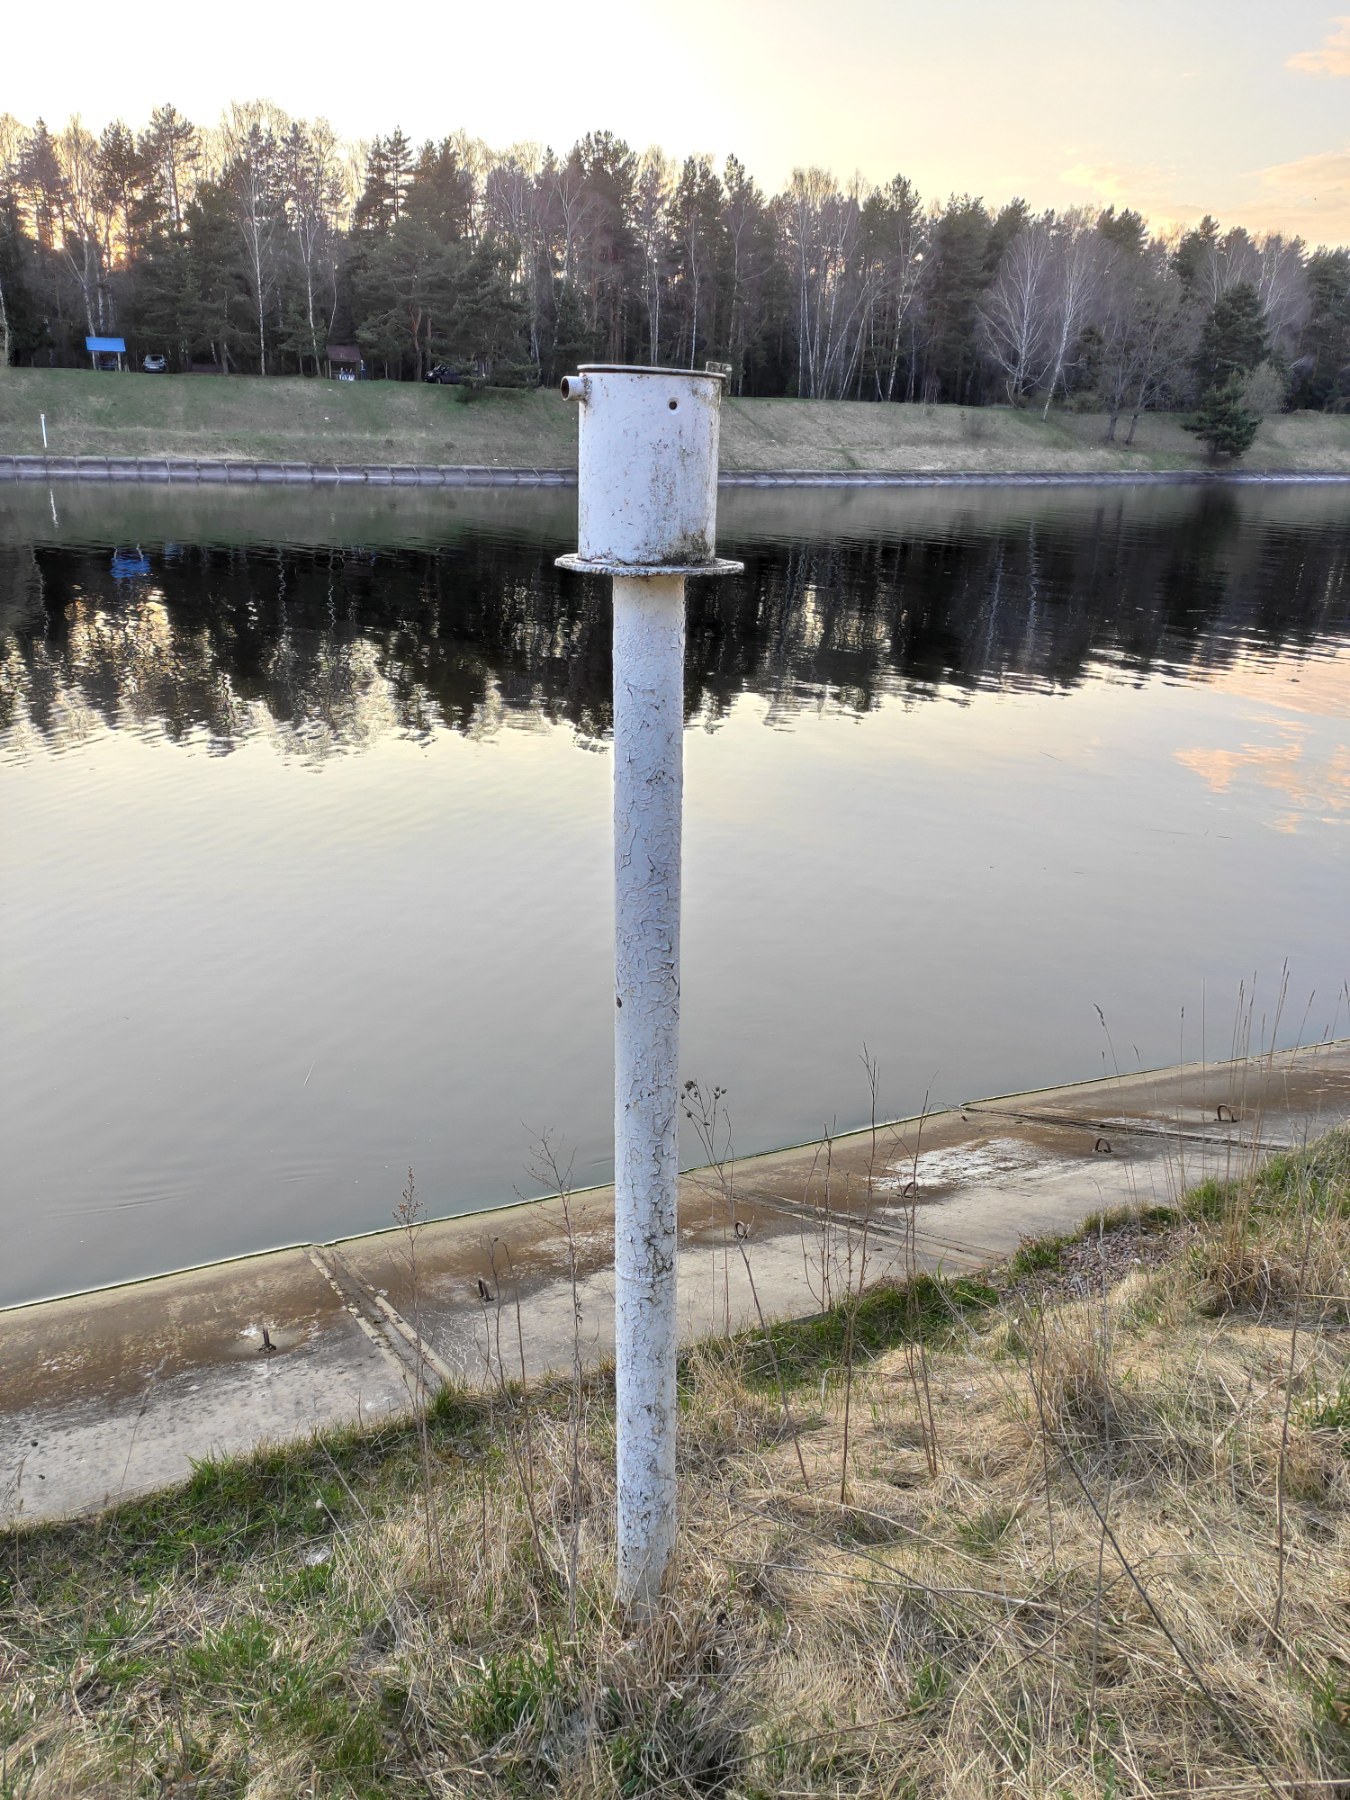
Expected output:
(289, 420)
(1093, 1538)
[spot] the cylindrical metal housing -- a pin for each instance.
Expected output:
(647, 474)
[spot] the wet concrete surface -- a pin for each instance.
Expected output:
(111, 1394)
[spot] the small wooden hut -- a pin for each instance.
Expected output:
(344, 362)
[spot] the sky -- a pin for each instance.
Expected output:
(1240, 108)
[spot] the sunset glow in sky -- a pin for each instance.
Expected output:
(1236, 107)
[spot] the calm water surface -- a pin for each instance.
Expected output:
(306, 832)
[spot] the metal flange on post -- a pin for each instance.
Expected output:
(647, 516)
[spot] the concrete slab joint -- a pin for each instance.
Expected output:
(180, 1363)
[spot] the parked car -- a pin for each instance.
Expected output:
(444, 374)
(154, 365)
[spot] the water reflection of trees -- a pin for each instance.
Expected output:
(332, 650)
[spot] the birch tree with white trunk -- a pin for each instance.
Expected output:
(1079, 260)
(893, 313)
(651, 220)
(515, 207)
(1017, 314)
(1282, 282)
(252, 177)
(743, 218)
(315, 198)
(88, 224)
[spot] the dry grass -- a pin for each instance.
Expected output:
(1081, 1600)
(289, 420)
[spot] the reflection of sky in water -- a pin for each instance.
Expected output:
(246, 989)
(1301, 765)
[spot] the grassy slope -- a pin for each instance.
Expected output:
(381, 1613)
(312, 421)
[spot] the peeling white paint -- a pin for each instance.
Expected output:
(648, 783)
(646, 514)
(647, 464)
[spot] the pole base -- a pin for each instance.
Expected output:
(583, 565)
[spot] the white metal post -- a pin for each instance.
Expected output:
(648, 784)
(646, 514)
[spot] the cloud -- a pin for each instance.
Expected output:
(1327, 172)
(1331, 57)
(1146, 187)
(1310, 787)
(1320, 687)
(1310, 196)
(1116, 180)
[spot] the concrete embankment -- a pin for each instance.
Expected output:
(117, 1392)
(197, 471)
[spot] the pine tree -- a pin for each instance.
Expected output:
(21, 326)
(1234, 338)
(955, 276)
(1224, 422)
(440, 192)
(1195, 253)
(573, 339)
(43, 184)
(1322, 372)
(170, 154)
(1125, 230)
(389, 174)
(120, 178)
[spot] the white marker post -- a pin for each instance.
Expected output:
(647, 515)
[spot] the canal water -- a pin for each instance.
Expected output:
(305, 857)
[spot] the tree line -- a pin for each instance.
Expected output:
(252, 245)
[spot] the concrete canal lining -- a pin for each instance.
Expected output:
(114, 1393)
(196, 471)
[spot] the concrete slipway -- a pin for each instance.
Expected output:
(114, 1393)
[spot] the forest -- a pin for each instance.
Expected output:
(251, 245)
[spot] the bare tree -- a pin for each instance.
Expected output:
(1282, 282)
(88, 223)
(315, 198)
(253, 180)
(1016, 314)
(576, 207)
(744, 217)
(655, 182)
(902, 249)
(822, 232)
(1079, 261)
(1146, 334)
(516, 208)
(696, 219)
